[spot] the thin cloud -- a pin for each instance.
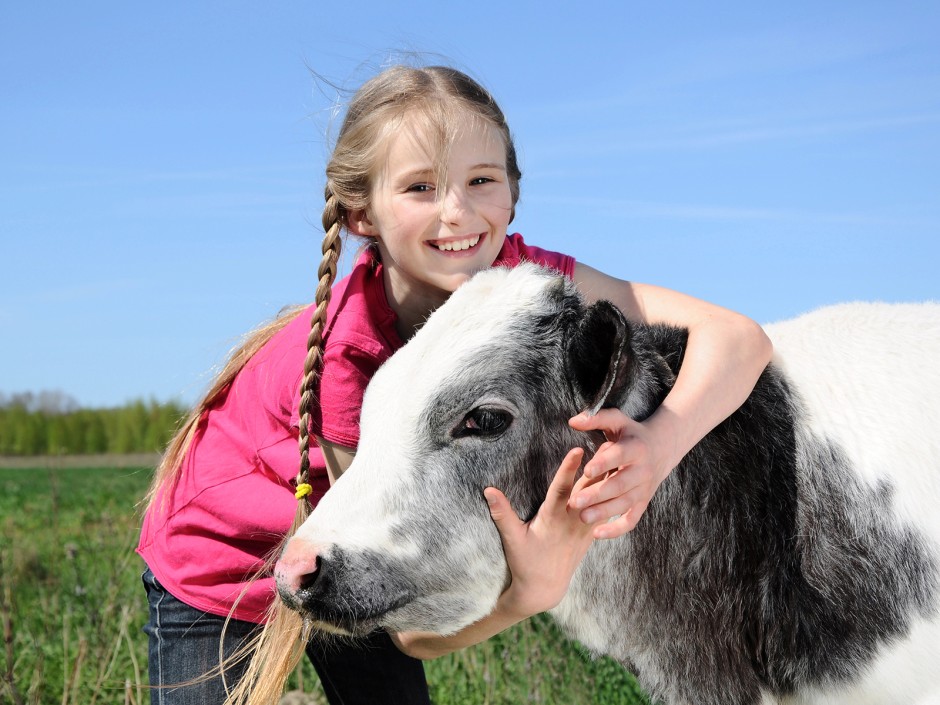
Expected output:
(75, 292)
(781, 133)
(738, 132)
(59, 175)
(633, 209)
(746, 57)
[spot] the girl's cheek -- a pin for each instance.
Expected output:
(498, 199)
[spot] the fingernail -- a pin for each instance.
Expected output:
(590, 516)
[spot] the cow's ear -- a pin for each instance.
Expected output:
(597, 357)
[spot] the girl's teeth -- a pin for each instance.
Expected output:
(456, 245)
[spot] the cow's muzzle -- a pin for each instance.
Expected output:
(344, 591)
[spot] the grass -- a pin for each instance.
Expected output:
(71, 600)
(72, 609)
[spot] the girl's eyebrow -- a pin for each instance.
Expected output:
(423, 172)
(418, 173)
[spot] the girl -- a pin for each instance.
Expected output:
(424, 171)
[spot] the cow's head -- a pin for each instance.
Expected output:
(479, 397)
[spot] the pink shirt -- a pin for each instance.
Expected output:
(233, 503)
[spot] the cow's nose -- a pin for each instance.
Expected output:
(296, 570)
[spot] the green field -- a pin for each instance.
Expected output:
(72, 609)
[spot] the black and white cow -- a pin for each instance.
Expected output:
(793, 556)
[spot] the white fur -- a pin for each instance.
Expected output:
(866, 374)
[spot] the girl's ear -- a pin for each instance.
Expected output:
(360, 224)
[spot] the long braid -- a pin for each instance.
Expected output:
(313, 363)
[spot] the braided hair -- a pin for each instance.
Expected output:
(313, 362)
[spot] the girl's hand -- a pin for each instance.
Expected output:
(622, 476)
(543, 553)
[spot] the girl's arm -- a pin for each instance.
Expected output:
(725, 355)
(338, 458)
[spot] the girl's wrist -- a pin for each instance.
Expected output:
(666, 433)
(514, 608)
(509, 606)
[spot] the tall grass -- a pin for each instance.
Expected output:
(71, 595)
(72, 609)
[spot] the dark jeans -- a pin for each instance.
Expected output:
(184, 644)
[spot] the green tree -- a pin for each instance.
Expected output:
(96, 437)
(33, 424)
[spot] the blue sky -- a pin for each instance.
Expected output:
(162, 163)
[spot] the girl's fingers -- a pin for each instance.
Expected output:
(622, 483)
(562, 484)
(617, 505)
(610, 421)
(612, 456)
(582, 483)
(510, 526)
(619, 526)
(507, 523)
(620, 479)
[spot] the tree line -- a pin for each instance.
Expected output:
(43, 425)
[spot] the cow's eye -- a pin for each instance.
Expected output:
(485, 422)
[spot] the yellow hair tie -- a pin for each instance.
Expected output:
(303, 489)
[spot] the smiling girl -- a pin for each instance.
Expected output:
(424, 172)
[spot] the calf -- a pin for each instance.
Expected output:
(792, 557)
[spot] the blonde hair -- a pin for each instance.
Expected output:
(441, 99)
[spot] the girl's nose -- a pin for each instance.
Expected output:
(455, 206)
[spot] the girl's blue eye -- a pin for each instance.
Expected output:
(420, 188)
(481, 180)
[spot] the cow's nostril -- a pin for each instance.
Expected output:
(307, 580)
(298, 569)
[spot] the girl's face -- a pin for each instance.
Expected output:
(434, 232)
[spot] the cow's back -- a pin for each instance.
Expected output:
(868, 378)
